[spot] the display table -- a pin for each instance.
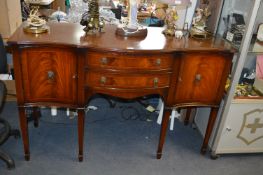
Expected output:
(65, 68)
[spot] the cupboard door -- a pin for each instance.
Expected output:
(49, 75)
(201, 78)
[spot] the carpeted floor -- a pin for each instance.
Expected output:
(116, 146)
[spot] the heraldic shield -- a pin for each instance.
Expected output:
(252, 126)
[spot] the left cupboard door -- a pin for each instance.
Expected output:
(49, 75)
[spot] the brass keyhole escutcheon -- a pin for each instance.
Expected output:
(198, 78)
(50, 75)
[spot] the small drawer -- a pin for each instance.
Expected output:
(126, 81)
(129, 61)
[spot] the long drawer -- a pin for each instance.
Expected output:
(126, 81)
(122, 61)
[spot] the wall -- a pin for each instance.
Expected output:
(4, 21)
(10, 17)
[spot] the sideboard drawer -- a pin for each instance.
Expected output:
(109, 60)
(49, 75)
(127, 81)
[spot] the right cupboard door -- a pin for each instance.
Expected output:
(201, 78)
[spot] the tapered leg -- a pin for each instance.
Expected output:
(81, 121)
(165, 122)
(24, 131)
(209, 129)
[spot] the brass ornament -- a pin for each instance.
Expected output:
(91, 18)
(35, 24)
(170, 19)
(198, 29)
(36, 30)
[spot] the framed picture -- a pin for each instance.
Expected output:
(260, 32)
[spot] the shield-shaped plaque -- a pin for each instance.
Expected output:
(252, 126)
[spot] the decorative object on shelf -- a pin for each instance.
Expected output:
(198, 29)
(58, 16)
(246, 90)
(170, 19)
(131, 26)
(235, 28)
(91, 18)
(35, 24)
(260, 33)
(175, 18)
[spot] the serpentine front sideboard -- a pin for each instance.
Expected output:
(65, 67)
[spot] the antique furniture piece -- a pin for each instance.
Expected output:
(65, 67)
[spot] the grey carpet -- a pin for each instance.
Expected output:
(114, 146)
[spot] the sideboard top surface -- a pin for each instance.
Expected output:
(68, 34)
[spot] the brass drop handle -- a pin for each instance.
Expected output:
(198, 77)
(104, 60)
(155, 82)
(50, 75)
(103, 80)
(158, 62)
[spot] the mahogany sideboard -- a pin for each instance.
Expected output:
(65, 67)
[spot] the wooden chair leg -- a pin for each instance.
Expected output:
(209, 129)
(164, 126)
(24, 131)
(81, 121)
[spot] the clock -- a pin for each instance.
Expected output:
(260, 33)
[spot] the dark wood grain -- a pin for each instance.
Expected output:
(38, 63)
(65, 68)
(199, 78)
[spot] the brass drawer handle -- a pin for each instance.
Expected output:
(104, 61)
(103, 80)
(50, 75)
(198, 77)
(155, 82)
(158, 62)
